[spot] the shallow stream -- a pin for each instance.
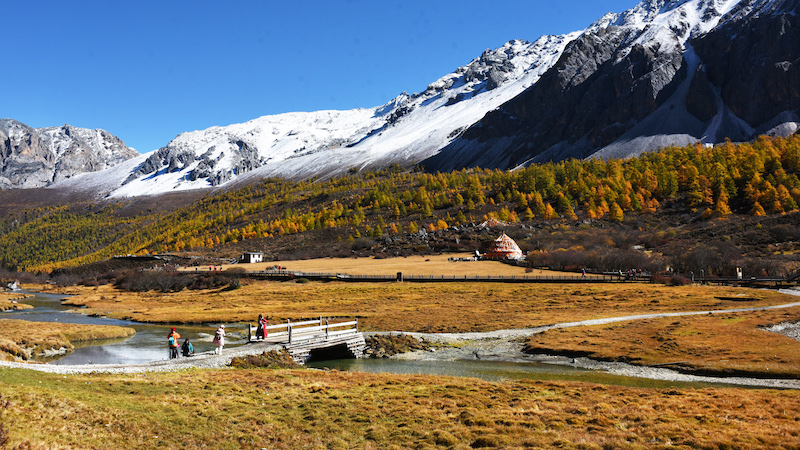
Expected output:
(149, 344)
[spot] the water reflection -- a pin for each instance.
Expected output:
(500, 371)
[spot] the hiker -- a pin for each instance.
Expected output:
(219, 339)
(172, 341)
(187, 348)
(261, 331)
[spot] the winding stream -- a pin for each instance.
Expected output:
(149, 344)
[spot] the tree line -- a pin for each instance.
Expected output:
(756, 178)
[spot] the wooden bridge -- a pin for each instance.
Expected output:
(303, 339)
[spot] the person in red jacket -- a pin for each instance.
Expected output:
(172, 342)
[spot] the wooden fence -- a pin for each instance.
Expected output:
(589, 278)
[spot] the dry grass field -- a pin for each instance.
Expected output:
(24, 339)
(410, 265)
(426, 307)
(289, 409)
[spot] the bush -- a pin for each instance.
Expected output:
(267, 360)
(671, 279)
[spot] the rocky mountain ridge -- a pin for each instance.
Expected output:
(663, 73)
(39, 157)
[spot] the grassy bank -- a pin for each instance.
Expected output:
(425, 307)
(21, 339)
(720, 344)
(308, 409)
(11, 301)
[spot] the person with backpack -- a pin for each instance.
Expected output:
(219, 339)
(172, 342)
(187, 348)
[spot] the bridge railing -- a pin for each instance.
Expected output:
(293, 332)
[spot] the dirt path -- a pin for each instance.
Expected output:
(500, 345)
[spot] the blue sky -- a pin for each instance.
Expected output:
(149, 70)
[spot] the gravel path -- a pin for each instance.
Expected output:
(500, 345)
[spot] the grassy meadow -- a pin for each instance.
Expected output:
(424, 307)
(732, 344)
(296, 408)
(285, 409)
(410, 265)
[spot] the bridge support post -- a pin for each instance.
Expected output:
(289, 329)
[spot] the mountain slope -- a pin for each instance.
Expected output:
(326, 143)
(663, 73)
(39, 157)
(666, 72)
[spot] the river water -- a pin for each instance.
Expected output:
(149, 344)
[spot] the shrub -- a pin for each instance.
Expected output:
(267, 360)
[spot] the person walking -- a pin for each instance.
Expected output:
(172, 342)
(219, 339)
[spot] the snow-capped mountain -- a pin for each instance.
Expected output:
(665, 72)
(300, 145)
(39, 157)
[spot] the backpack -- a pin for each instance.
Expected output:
(218, 335)
(172, 341)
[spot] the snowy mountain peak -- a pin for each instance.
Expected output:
(298, 145)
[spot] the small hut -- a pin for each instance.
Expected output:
(503, 248)
(252, 257)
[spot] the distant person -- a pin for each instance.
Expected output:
(261, 330)
(583, 273)
(187, 348)
(172, 342)
(219, 339)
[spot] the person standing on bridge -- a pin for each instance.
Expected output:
(172, 342)
(261, 330)
(219, 339)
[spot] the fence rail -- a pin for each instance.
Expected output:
(607, 277)
(589, 278)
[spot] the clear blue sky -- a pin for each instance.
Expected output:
(149, 70)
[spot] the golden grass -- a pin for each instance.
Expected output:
(286, 409)
(410, 265)
(22, 339)
(428, 307)
(726, 344)
(11, 301)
